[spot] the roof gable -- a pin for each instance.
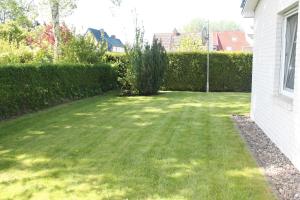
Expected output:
(243, 3)
(101, 35)
(231, 40)
(249, 7)
(116, 42)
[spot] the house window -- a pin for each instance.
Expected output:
(289, 52)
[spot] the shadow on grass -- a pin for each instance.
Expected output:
(177, 145)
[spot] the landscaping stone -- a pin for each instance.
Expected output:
(280, 172)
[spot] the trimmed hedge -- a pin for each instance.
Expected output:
(229, 72)
(119, 62)
(26, 88)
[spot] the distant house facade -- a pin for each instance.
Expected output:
(113, 44)
(221, 41)
(231, 41)
(276, 72)
(171, 41)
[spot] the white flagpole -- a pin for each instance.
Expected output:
(207, 70)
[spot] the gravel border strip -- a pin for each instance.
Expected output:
(283, 177)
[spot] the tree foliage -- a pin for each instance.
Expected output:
(134, 55)
(43, 36)
(58, 10)
(12, 33)
(19, 11)
(151, 73)
(81, 49)
(116, 2)
(146, 69)
(11, 53)
(13, 46)
(197, 25)
(190, 43)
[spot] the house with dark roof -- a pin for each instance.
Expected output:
(231, 41)
(114, 44)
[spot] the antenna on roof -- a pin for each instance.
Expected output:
(204, 36)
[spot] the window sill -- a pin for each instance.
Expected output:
(284, 101)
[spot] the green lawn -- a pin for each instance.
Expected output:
(177, 145)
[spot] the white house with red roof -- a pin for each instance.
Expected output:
(276, 72)
(222, 41)
(171, 41)
(231, 41)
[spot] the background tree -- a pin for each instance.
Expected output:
(60, 9)
(196, 26)
(80, 49)
(147, 65)
(190, 43)
(116, 2)
(21, 12)
(12, 33)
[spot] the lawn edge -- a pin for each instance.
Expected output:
(261, 168)
(54, 107)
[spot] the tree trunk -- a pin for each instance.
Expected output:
(56, 29)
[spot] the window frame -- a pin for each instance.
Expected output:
(283, 90)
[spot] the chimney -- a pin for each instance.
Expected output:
(175, 32)
(113, 36)
(102, 31)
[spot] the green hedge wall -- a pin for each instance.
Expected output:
(119, 62)
(229, 72)
(26, 88)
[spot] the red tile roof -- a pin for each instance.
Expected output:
(231, 41)
(222, 41)
(171, 41)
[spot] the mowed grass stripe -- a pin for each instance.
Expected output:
(176, 145)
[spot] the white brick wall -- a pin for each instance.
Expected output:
(296, 156)
(276, 114)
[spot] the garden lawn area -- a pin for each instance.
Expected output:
(176, 145)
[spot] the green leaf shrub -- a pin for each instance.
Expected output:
(12, 32)
(26, 88)
(83, 50)
(13, 53)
